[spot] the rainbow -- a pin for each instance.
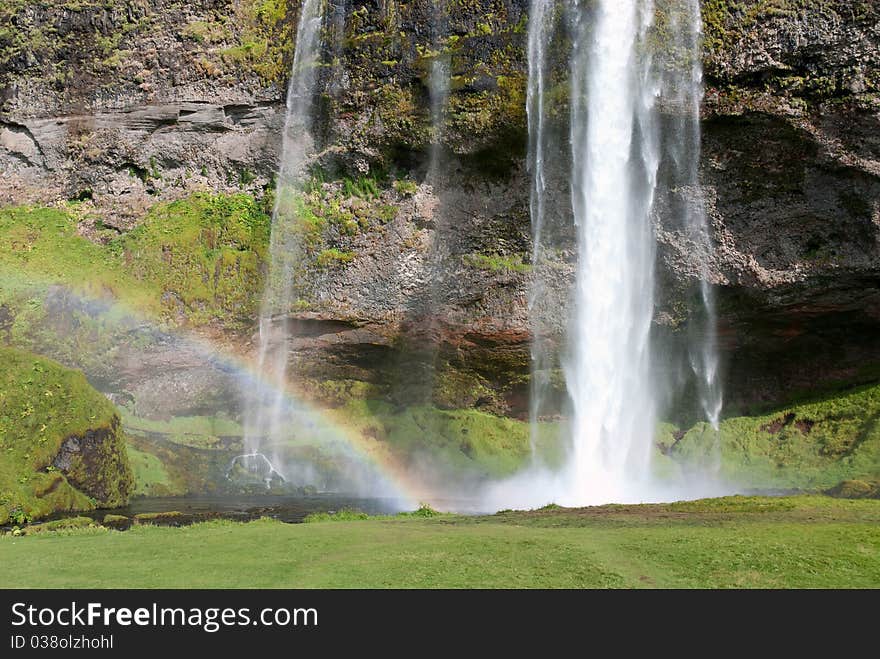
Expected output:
(398, 483)
(395, 481)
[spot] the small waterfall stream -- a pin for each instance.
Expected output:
(266, 414)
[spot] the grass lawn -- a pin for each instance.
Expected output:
(800, 542)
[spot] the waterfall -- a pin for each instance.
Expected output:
(438, 85)
(540, 27)
(614, 155)
(267, 417)
(685, 85)
(634, 134)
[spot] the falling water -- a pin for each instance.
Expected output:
(625, 77)
(684, 85)
(266, 416)
(540, 26)
(438, 84)
(614, 154)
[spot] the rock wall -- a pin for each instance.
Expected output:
(150, 99)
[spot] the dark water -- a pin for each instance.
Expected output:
(291, 509)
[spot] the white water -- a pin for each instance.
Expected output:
(687, 85)
(268, 417)
(614, 177)
(540, 30)
(438, 85)
(617, 145)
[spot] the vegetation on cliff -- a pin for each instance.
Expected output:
(77, 44)
(758, 53)
(200, 262)
(196, 261)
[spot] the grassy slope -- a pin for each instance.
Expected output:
(736, 542)
(194, 262)
(811, 445)
(196, 259)
(42, 404)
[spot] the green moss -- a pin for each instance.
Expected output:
(390, 67)
(856, 489)
(61, 525)
(727, 23)
(498, 262)
(337, 393)
(51, 51)
(265, 32)
(197, 261)
(150, 476)
(158, 518)
(466, 442)
(206, 32)
(333, 257)
(205, 252)
(42, 404)
(455, 389)
(810, 446)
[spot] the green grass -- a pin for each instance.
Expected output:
(41, 405)
(497, 262)
(465, 441)
(151, 478)
(809, 446)
(203, 252)
(364, 187)
(803, 542)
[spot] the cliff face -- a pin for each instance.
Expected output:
(124, 104)
(130, 102)
(792, 156)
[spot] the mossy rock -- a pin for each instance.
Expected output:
(61, 525)
(61, 443)
(830, 443)
(856, 489)
(118, 522)
(170, 518)
(164, 468)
